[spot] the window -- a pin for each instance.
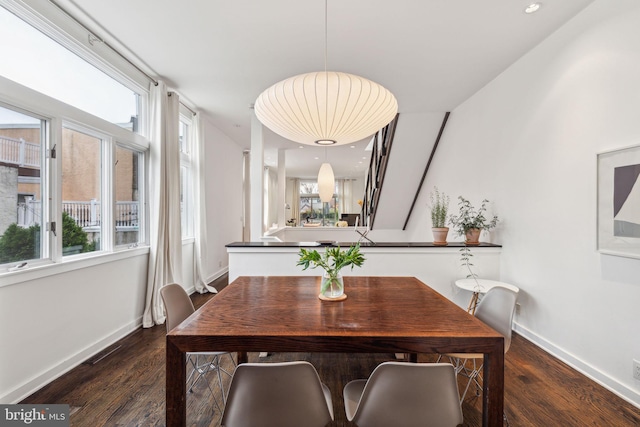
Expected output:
(42, 64)
(21, 186)
(129, 168)
(312, 209)
(99, 204)
(72, 172)
(81, 192)
(186, 176)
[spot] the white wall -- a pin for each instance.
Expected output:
(52, 322)
(413, 142)
(223, 169)
(528, 142)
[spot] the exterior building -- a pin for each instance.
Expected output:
(81, 153)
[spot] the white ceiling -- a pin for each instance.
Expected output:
(221, 54)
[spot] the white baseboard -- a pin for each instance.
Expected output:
(39, 381)
(218, 274)
(616, 387)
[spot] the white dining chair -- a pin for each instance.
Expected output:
(285, 394)
(405, 394)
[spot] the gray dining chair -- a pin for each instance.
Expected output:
(178, 307)
(405, 394)
(285, 394)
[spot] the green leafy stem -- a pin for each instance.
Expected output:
(332, 261)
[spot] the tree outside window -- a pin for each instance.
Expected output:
(312, 210)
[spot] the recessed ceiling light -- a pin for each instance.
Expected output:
(316, 158)
(353, 146)
(301, 146)
(533, 7)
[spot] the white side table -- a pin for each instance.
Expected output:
(481, 286)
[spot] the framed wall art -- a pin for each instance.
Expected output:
(619, 202)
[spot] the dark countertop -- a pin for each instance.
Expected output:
(347, 244)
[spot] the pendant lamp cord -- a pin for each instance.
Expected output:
(326, 75)
(325, 35)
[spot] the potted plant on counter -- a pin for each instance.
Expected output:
(471, 222)
(332, 261)
(439, 210)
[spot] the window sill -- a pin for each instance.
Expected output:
(49, 269)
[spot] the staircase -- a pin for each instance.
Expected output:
(396, 176)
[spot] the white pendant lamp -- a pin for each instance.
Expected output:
(326, 183)
(326, 107)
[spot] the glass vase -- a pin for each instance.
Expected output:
(332, 286)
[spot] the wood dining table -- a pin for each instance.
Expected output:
(379, 315)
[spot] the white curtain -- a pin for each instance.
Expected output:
(200, 209)
(345, 193)
(165, 255)
(295, 200)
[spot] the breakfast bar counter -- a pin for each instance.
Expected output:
(440, 266)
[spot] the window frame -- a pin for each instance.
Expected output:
(106, 183)
(57, 24)
(56, 115)
(142, 195)
(45, 180)
(335, 198)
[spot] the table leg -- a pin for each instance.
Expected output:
(242, 357)
(176, 386)
(493, 388)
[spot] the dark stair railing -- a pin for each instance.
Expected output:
(426, 169)
(377, 167)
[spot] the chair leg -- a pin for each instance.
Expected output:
(199, 369)
(472, 374)
(201, 366)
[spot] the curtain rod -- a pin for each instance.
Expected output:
(93, 38)
(183, 104)
(187, 107)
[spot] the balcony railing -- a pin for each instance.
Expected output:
(19, 152)
(85, 214)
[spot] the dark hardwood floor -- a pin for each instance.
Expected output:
(125, 386)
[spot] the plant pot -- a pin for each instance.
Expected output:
(332, 288)
(440, 235)
(472, 236)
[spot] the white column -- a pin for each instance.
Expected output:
(256, 209)
(282, 183)
(246, 196)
